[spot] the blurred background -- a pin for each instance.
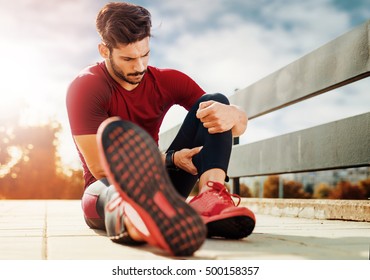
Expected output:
(223, 45)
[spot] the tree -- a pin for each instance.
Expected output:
(271, 187)
(30, 164)
(345, 190)
(365, 185)
(294, 189)
(245, 191)
(291, 189)
(322, 191)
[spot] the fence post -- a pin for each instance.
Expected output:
(236, 181)
(281, 187)
(261, 187)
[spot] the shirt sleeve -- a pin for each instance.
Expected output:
(87, 104)
(184, 90)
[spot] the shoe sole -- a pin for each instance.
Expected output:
(231, 228)
(232, 225)
(134, 166)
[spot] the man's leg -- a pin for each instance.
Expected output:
(144, 193)
(94, 203)
(212, 161)
(222, 217)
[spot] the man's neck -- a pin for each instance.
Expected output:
(125, 85)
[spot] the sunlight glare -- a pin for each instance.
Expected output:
(23, 78)
(15, 154)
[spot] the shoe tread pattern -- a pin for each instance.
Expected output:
(137, 168)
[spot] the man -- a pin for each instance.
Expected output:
(115, 111)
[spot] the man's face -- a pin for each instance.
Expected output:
(128, 63)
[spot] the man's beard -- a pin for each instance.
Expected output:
(122, 76)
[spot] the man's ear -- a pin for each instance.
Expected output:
(103, 50)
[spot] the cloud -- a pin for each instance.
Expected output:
(237, 47)
(236, 50)
(223, 45)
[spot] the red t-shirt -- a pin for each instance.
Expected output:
(94, 96)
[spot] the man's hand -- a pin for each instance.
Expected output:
(183, 159)
(218, 117)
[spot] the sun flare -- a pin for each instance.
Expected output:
(23, 76)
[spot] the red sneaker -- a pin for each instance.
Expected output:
(220, 214)
(134, 166)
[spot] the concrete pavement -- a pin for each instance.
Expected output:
(55, 230)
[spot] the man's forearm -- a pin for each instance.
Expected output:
(241, 121)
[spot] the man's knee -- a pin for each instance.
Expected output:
(93, 214)
(218, 97)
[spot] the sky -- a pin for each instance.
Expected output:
(222, 44)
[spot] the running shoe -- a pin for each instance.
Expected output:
(114, 218)
(221, 215)
(133, 164)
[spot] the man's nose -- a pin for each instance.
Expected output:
(139, 65)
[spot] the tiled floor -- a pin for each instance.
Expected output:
(55, 230)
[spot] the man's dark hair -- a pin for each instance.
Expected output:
(123, 23)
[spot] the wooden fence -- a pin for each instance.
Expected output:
(340, 144)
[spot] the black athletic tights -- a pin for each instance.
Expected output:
(216, 147)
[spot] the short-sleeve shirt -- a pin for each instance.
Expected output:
(94, 95)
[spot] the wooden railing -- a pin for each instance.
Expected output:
(340, 144)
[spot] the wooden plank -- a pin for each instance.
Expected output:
(339, 144)
(339, 62)
(166, 138)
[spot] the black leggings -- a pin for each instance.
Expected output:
(215, 154)
(216, 147)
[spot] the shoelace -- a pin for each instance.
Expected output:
(223, 192)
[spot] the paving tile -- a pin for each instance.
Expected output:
(93, 248)
(55, 229)
(22, 248)
(28, 232)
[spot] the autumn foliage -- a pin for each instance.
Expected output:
(30, 165)
(322, 191)
(346, 190)
(291, 189)
(294, 189)
(245, 190)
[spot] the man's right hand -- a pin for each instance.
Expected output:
(183, 159)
